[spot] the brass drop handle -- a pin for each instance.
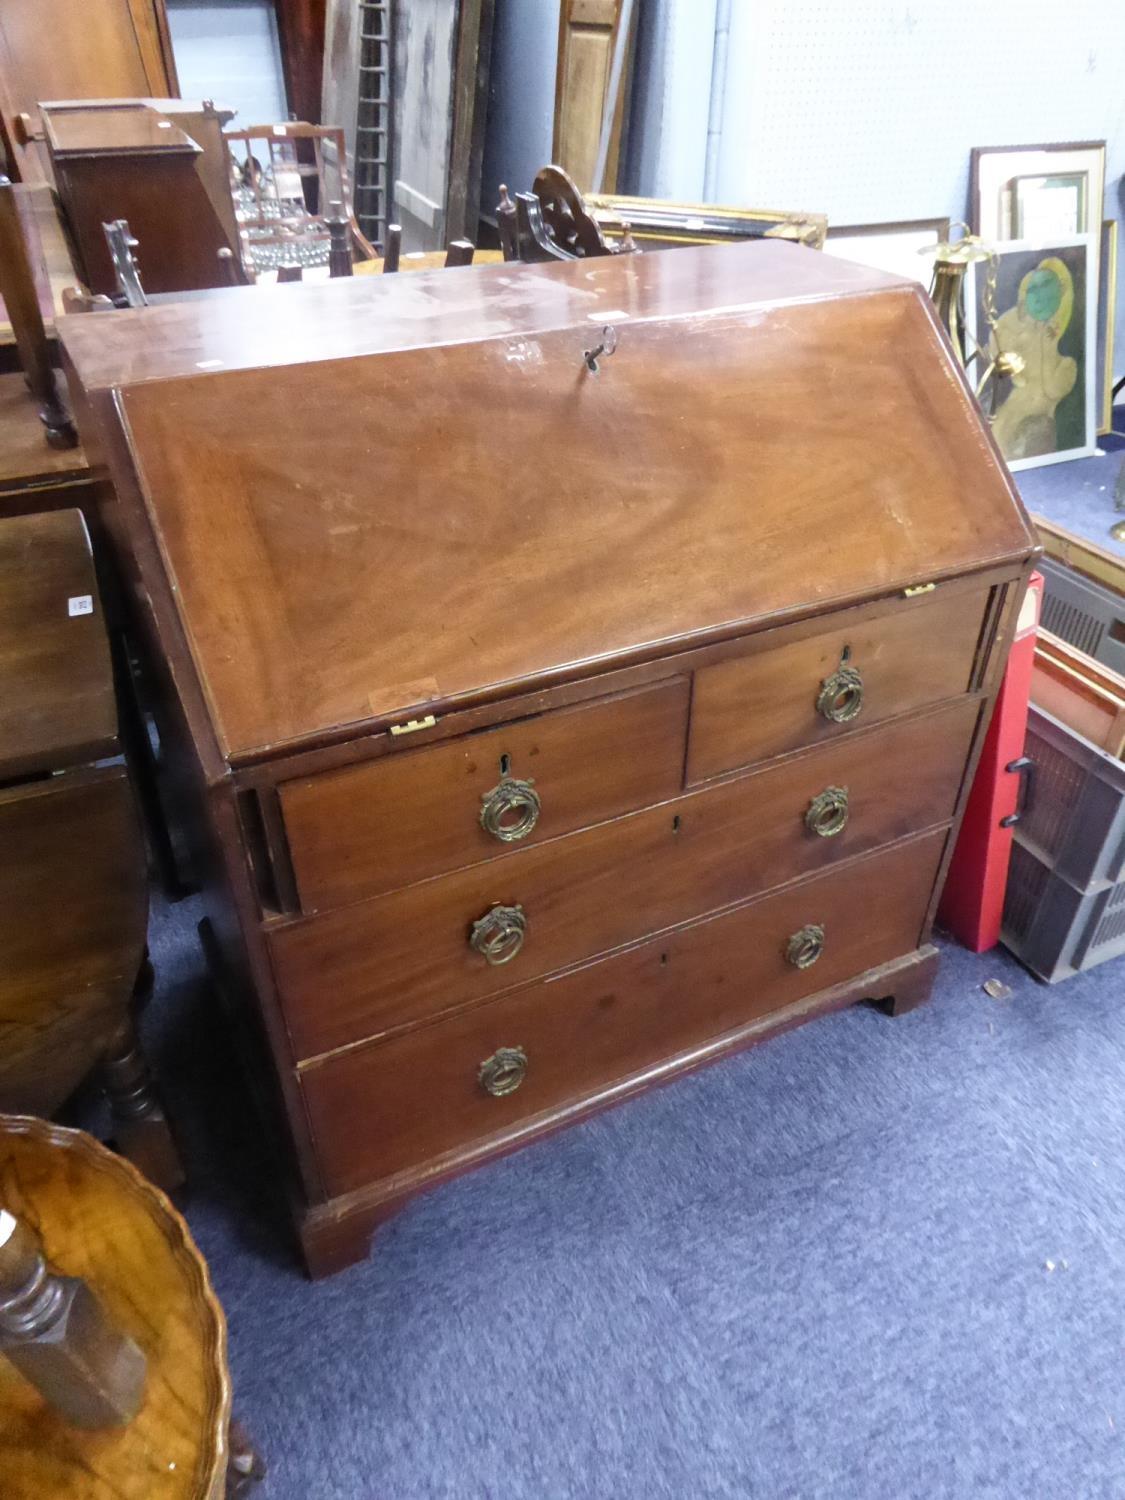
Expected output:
(503, 1072)
(498, 935)
(805, 947)
(510, 810)
(827, 813)
(841, 695)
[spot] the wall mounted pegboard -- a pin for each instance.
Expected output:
(867, 109)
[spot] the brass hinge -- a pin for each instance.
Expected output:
(412, 724)
(918, 588)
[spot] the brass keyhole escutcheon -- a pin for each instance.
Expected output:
(805, 947)
(503, 1072)
(510, 810)
(841, 695)
(827, 813)
(498, 935)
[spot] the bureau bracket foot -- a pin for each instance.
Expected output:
(912, 983)
(331, 1241)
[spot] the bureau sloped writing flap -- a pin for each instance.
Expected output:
(354, 539)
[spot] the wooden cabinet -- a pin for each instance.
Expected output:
(56, 49)
(73, 898)
(160, 165)
(526, 793)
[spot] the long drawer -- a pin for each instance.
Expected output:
(375, 827)
(478, 1077)
(356, 973)
(800, 692)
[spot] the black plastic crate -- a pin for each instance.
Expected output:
(1064, 908)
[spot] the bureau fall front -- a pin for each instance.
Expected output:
(561, 720)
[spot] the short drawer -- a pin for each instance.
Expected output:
(424, 1095)
(417, 813)
(846, 677)
(353, 974)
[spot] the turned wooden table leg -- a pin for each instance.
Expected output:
(247, 1467)
(17, 285)
(141, 1128)
(55, 1332)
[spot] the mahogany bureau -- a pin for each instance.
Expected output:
(563, 719)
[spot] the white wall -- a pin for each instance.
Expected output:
(867, 109)
(227, 50)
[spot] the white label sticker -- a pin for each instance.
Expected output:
(80, 604)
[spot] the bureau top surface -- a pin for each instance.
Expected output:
(237, 328)
(463, 509)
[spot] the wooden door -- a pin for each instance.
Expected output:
(57, 49)
(588, 37)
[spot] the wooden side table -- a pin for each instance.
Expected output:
(100, 1220)
(73, 890)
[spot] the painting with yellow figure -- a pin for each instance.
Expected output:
(1044, 412)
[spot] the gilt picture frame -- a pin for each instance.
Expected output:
(662, 223)
(1107, 318)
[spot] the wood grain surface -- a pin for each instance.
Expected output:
(73, 918)
(56, 687)
(100, 1220)
(752, 707)
(403, 957)
(419, 1095)
(26, 460)
(102, 49)
(391, 822)
(300, 586)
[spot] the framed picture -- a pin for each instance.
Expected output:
(904, 249)
(1039, 193)
(1107, 317)
(659, 223)
(1045, 315)
(1044, 207)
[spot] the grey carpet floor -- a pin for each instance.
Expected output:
(1080, 494)
(868, 1260)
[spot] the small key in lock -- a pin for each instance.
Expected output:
(606, 347)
